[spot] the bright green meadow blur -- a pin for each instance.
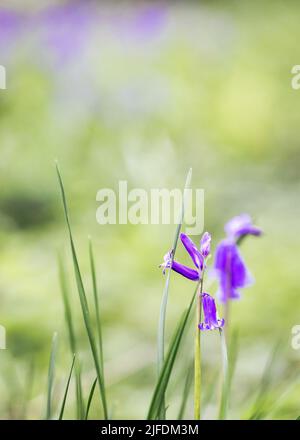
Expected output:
(141, 92)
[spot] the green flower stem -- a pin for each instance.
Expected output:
(225, 378)
(227, 318)
(197, 378)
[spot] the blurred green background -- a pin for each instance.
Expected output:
(140, 92)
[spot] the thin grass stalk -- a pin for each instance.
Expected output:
(164, 301)
(232, 355)
(227, 319)
(91, 395)
(265, 383)
(96, 303)
(225, 378)
(72, 339)
(51, 374)
(66, 390)
(83, 303)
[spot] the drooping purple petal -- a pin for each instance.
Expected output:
(192, 250)
(241, 225)
(183, 270)
(205, 244)
(230, 270)
(211, 320)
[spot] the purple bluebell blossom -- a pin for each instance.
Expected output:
(149, 20)
(241, 226)
(11, 24)
(229, 266)
(198, 257)
(211, 320)
(143, 23)
(230, 270)
(205, 244)
(66, 27)
(183, 270)
(193, 251)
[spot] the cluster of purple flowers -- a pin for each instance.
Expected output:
(229, 267)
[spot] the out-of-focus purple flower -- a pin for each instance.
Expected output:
(230, 270)
(66, 28)
(146, 22)
(149, 20)
(197, 255)
(11, 23)
(211, 320)
(205, 244)
(241, 226)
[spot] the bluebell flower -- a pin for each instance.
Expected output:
(241, 226)
(198, 257)
(230, 270)
(229, 266)
(211, 319)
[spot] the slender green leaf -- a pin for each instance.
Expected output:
(72, 338)
(83, 302)
(228, 368)
(225, 378)
(232, 355)
(96, 301)
(258, 410)
(165, 374)
(91, 394)
(51, 374)
(66, 390)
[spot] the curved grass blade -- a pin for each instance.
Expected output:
(96, 302)
(164, 301)
(225, 378)
(51, 374)
(233, 350)
(157, 400)
(259, 407)
(72, 339)
(91, 395)
(30, 375)
(186, 391)
(66, 390)
(83, 302)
